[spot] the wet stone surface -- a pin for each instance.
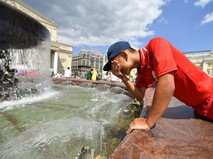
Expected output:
(171, 138)
(177, 135)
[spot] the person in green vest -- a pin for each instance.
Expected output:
(89, 74)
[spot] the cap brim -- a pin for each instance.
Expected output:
(107, 66)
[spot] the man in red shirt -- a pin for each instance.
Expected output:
(162, 64)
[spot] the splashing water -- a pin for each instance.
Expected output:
(32, 72)
(59, 123)
(8, 105)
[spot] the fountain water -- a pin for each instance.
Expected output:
(74, 118)
(24, 52)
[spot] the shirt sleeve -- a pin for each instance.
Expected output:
(161, 56)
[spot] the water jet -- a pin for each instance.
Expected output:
(24, 53)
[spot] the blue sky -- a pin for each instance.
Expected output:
(181, 23)
(89, 24)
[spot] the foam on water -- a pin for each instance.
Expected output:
(8, 105)
(106, 106)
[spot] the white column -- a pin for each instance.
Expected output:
(55, 63)
(204, 67)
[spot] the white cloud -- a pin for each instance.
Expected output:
(163, 20)
(207, 19)
(101, 22)
(202, 3)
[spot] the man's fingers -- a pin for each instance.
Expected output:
(138, 123)
(129, 130)
(115, 66)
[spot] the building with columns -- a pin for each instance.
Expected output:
(86, 60)
(60, 53)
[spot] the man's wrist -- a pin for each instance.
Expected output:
(123, 77)
(150, 123)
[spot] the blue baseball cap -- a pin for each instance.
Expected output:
(115, 50)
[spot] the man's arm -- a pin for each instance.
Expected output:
(162, 96)
(138, 93)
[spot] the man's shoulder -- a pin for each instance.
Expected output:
(158, 39)
(157, 43)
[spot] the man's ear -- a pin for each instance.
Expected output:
(124, 54)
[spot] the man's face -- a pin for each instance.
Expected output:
(125, 65)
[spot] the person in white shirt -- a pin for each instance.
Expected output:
(67, 72)
(114, 78)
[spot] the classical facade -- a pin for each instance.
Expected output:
(202, 59)
(60, 54)
(86, 60)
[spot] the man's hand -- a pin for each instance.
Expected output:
(116, 70)
(138, 123)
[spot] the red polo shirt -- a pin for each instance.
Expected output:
(192, 86)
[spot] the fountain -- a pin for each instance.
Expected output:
(41, 120)
(24, 53)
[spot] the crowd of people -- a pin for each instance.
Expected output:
(92, 74)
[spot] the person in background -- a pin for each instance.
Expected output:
(98, 76)
(94, 74)
(67, 72)
(106, 76)
(51, 71)
(161, 64)
(114, 78)
(89, 74)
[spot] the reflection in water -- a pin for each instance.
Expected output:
(57, 124)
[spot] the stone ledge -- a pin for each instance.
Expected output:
(77, 81)
(171, 138)
(177, 135)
